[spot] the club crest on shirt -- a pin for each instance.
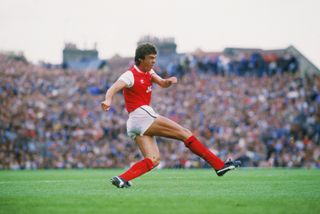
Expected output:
(142, 81)
(149, 89)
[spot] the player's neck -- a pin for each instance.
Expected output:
(142, 68)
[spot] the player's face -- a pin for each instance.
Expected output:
(148, 62)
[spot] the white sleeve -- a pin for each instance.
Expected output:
(128, 78)
(152, 72)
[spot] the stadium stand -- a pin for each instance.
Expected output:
(248, 104)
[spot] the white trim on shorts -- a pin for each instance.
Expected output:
(140, 120)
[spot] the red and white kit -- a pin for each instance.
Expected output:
(137, 97)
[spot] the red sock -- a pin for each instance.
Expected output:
(199, 149)
(138, 169)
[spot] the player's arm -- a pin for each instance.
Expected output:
(164, 83)
(117, 86)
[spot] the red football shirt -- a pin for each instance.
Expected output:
(140, 93)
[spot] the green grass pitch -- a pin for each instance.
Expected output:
(161, 191)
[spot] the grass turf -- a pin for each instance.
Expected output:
(161, 191)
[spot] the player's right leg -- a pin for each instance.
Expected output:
(150, 151)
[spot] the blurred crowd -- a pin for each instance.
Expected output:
(238, 64)
(51, 118)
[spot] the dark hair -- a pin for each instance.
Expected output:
(143, 50)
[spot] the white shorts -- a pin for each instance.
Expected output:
(140, 120)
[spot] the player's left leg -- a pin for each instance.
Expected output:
(150, 151)
(165, 127)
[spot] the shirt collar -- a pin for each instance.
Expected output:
(137, 68)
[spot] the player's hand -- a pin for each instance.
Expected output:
(172, 80)
(105, 105)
